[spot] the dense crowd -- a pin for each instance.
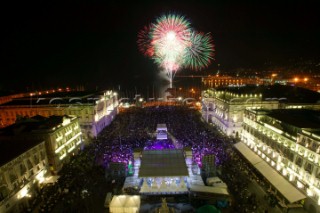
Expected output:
(135, 129)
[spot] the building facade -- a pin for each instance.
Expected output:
(62, 136)
(94, 110)
(215, 81)
(23, 169)
(225, 108)
(288, 140)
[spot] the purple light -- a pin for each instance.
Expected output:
(159, 145)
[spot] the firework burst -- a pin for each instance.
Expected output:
(144, 42)
(172, 44)
(170, 35)
(199, 52)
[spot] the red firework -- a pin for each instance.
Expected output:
(145, 42)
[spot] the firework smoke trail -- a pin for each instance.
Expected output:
(170, 34)
(173, 45)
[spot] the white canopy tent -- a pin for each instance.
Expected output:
(125, 204)
(117, 203)
(291, 193)
(162, 127)
(132, 204)
(162, 132)
(209, 189)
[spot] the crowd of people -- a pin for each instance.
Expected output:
(133, 129)
(78, 180)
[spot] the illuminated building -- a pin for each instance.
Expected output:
(22, 169)
(224, 107)
(8, 98)
(62, 136)
(222, 81)
(95, 110)
(288, 140)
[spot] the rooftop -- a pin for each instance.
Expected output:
(302, 118)
(277, 92)
(33, 124)
(70, 98)
(12, 149)
(163, 163)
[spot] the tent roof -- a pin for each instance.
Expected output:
(118, 201)
(291, 193)
(163, 163)
(132, 201)
(208, 189)
(125, 201)
(161, 127)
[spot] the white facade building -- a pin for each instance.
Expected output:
(224, 108)
(22, 169)
(289, 141)
(95, 110)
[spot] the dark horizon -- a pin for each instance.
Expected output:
(94, 44)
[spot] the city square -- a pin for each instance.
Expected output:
(160, 107)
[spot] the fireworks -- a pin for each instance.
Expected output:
(173, 45)
(199, 52)
(144, 42)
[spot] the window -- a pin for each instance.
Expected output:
(29, 164)
(36, 159)
(314, 146)
(12, 177)
(22, 169)
(291, 156)
(301, 151)
(318, 176)
(299, 161)
(303, 141)
(311, 156)
(308, 168)
(42, 155)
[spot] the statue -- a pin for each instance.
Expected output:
(164, 207)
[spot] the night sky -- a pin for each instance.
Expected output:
(46, 45)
